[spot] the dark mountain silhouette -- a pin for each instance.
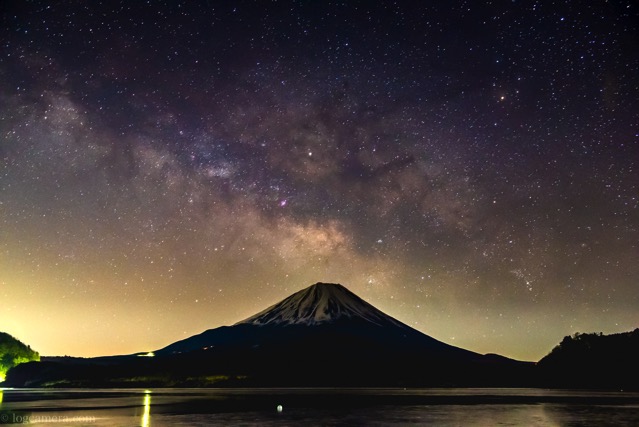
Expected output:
(316, 318)
(326, 335)
(323, 335)
(594, 361)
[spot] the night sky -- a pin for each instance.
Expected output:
(470, 168)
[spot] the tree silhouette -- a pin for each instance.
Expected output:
(594, 360)
(14, 352)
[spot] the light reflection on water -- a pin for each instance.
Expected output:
(146, 415)
(338, 407)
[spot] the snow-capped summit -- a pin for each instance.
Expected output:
(316, 323)
(320, 303)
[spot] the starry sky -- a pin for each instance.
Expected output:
(470, 168)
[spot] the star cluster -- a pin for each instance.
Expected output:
(168, 167)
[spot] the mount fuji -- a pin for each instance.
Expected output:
(321, 315)
(327, 335)
(323, 335)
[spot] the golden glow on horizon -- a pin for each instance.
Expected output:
(106, 330)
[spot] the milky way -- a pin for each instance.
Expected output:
(468, 168)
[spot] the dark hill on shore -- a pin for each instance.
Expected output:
(13, 352)
(594, 361)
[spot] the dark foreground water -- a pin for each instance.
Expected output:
(311, 407)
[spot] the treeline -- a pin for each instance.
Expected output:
(594, 360)
(13, 352)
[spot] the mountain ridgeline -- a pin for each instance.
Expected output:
(324, 319)
(323, 335)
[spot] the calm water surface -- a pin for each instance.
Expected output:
(310, 407)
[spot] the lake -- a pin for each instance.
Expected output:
(310, 407)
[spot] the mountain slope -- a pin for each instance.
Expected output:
(320, 303)
(320, 312)
(327, 335)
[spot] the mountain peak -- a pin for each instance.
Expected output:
(320, 303)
